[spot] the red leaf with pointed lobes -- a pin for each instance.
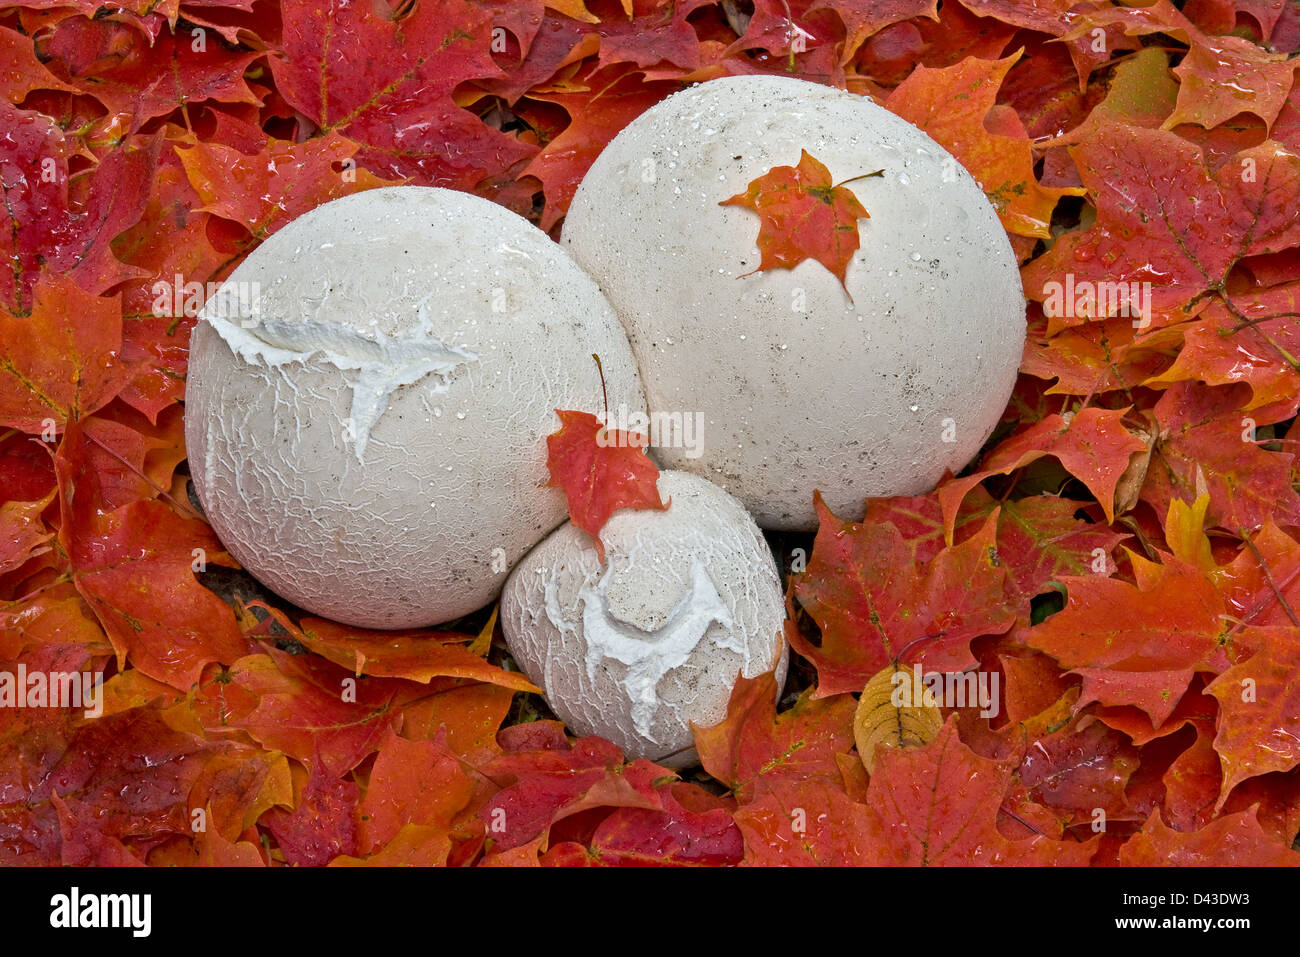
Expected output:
(299, 704)
(938, 805)
(34, 179)
(387, 83)
(600, 471)
(135, 567)
(1102, 356)
(113, 202)
(1220, 76)
(1259, 708)
(412, 782)
(237, 786)
(806, 824)
(654, 31)
(861, 20)
(754, 746)
(640, 837)
(142, 77)
(1040, 537)
(470, 715)
(803, 215)
(954, 105)
(22, 533)
(133, 459)
(61, 362)
(22, 71)
(1031, 683)
(545, 778)
(1200, 222)
(267, 191)
(84, 843)
(1079, 771)
(1093, 445)
(873, 603)
(415, 655)
(1193, 779)
(1207, 443)
(1220, 349)
(170, 244)
(599, 103)
(216, 851)
(1142, 642)
(1223, 76)
(1260, 584)
(322, 825)
(1236, 840)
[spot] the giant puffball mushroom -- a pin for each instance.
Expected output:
(636, 649)
(802, 386)
(369, 438)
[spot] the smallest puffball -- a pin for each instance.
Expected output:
(639, 648)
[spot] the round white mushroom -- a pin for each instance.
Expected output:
(369, 397)
(636, 649)
(799, 386)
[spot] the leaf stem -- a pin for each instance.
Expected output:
(603, 392)
(852, 179)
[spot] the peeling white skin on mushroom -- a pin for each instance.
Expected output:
(799, 386)
(473, 327)
(382, 364)
(637, 649)
(650, 655)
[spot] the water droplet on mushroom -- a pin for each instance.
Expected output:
(915, 257)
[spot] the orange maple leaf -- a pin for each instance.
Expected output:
(804, 216)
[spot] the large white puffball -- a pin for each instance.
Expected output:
(636, 649)
(799, 386)
(369, 397)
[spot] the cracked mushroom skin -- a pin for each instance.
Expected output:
(637, 649)
(367, 428)
(801, 387)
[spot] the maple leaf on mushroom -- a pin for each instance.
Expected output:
(860, 335)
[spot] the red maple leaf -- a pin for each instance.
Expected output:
(874, 601)
(600, 470)
(754, 746)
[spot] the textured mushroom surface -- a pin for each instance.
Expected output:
(799, 386)
(637, 649)
(369, 439)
